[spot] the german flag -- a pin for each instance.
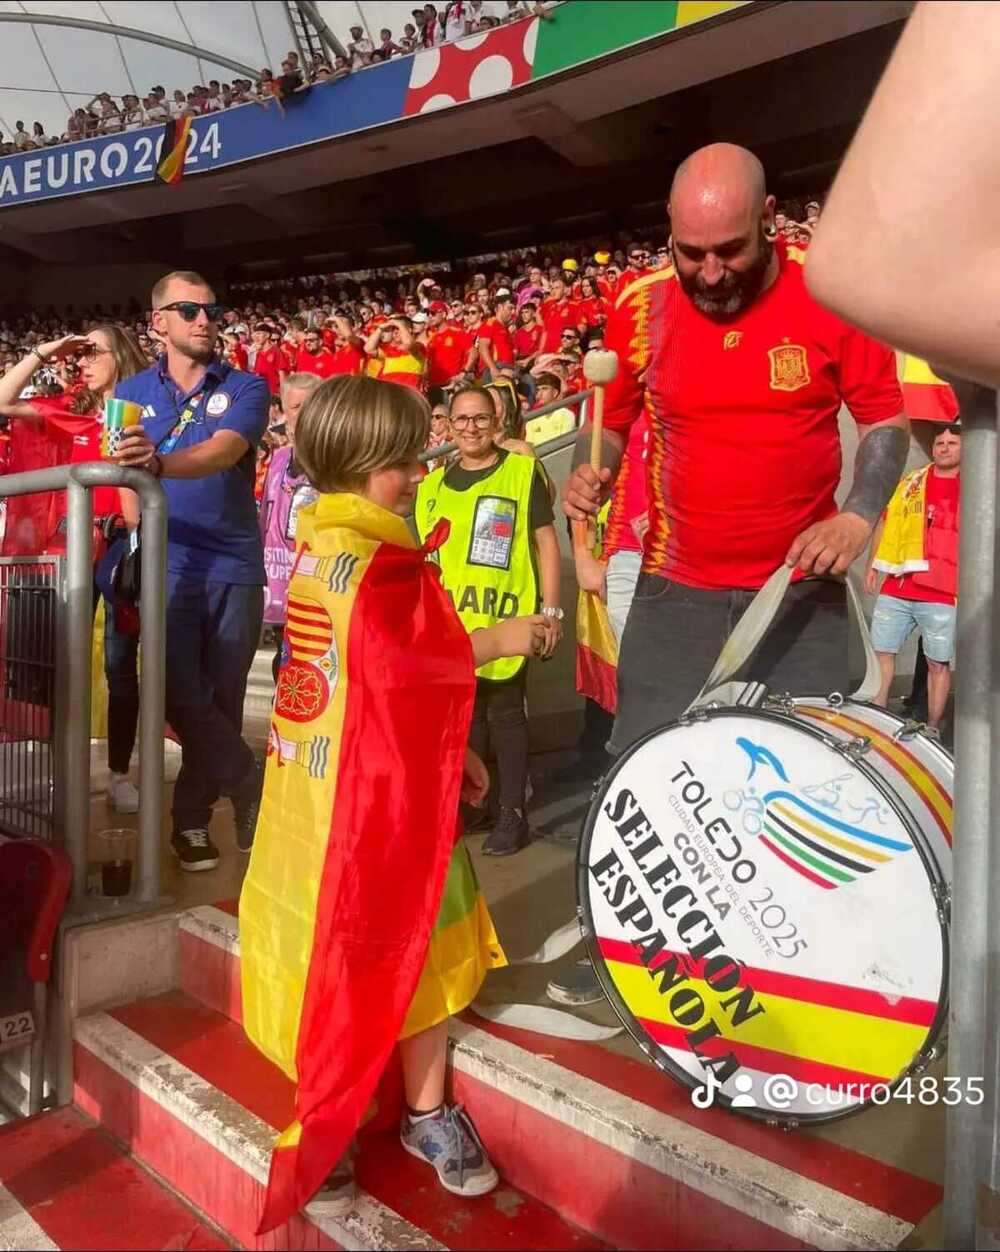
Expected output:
(175, 138)
(361, 921)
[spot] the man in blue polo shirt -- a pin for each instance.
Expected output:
(201, 423)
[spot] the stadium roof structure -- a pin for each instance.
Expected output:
(56, 56)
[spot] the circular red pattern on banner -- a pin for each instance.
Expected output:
(303, 692)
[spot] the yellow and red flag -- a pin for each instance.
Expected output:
(925, 396)
(170, 169)
(596, 652)
(350, 936)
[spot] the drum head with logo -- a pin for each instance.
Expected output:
(766, 918)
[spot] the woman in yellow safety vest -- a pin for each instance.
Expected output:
(501, 559)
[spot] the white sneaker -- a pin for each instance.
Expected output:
(122, 796)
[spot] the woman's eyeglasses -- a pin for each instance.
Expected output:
(90, 350)
(189, 309)
(479, 420)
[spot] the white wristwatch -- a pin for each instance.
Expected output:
(554, 611)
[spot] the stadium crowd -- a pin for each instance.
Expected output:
(106, 114)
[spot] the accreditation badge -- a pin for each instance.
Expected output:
(304, 495)
(493, 532)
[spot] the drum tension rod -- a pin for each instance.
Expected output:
(856, 748)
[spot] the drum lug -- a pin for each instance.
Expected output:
(856, 748)
(700, 714)
(781, 704)
(835, 699)
(787, 1124)
(908, 730)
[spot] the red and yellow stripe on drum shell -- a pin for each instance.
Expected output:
(916, 774)
(812, 1030)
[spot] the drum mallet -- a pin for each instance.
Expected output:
(600, 367)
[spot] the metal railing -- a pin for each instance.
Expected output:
(31, 599)
(972, 1141)
(72, 729)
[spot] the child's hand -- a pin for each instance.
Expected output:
(475, 780)
(523, 636)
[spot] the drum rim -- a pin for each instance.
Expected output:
(935, 745)
(649, 1047)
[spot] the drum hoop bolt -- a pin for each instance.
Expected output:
(856, 748)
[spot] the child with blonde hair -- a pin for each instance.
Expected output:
(361, 921)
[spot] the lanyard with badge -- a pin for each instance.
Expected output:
(162, 448)
(183, 422)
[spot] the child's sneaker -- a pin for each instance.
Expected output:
(449, 1142)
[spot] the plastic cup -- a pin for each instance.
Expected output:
(116, 852)
(119, 415)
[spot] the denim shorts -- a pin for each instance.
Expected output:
(895, 619)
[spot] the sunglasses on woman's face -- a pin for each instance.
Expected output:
(189, 309)
(90, 350)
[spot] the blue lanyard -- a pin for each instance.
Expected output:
(183, 422)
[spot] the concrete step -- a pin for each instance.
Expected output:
(65, 1184)
(617, 1148)
(182, 1087)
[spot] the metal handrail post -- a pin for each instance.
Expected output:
(75, 746)
(974, 704)
(987, 1210)
(152, 687)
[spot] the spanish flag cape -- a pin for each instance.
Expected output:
(357, 824)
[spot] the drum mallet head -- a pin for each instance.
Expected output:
(600, 366)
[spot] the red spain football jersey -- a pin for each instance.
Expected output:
(744, 444)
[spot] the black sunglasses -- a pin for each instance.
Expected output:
(189, 309)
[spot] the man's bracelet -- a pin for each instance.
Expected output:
(41, 356)
(155, 465)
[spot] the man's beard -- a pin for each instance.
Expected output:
(734, 292)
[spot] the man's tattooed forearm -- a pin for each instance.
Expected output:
(877, 469)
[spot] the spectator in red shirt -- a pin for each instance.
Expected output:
(638, 267)
(265, 355)
(73, 423)
(233, 351)
(592, 305)
(348, 352)
(528, 336)
(313, 357)
(495, 341)
(558, 312)
(450, 347)
(745, 458)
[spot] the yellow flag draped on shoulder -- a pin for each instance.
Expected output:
(356, 838)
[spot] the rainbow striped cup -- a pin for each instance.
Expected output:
(119, 415)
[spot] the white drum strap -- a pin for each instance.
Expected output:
(719, 688)
(751, 629)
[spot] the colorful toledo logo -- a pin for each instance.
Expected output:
(818, 843)
(309, 669)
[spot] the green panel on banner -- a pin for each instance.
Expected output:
(584, 29)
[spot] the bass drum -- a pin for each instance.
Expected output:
(766, 905)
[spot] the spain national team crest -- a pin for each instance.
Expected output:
(789, 367)
(731, 339)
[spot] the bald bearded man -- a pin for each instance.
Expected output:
(743, 374)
